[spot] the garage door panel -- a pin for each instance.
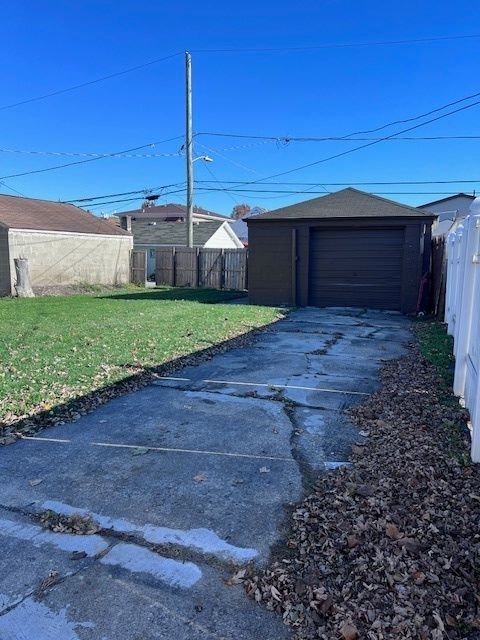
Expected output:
(356, 267)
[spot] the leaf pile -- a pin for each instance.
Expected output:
(389, 547)
(77, 523)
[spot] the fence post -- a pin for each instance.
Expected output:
(222, 269)
(466, 286)
(197, 267)
(450, 278)
(174, 267)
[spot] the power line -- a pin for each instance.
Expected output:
(89, 82)
(144, 191)
(4, 184)
(337, 45)
(364, 146)
(100, 204)
(423, 115)
(286, 191)
(70, 164)
(348, 184)
(288, 139)
(89, 154)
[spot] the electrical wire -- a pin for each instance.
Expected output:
(77, 162)
(89, 82)
(336, 45)
(364, 146)
(143, 191)
(90, 154)
(350, 184)
(287, 139)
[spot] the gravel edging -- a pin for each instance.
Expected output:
(72, 410)
(389, 547)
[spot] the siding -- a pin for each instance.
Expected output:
(270, 264)
(270, 260)
(5, 286)
(61, 258)
(221, 239)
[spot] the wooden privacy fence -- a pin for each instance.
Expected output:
(138, 267)
(196, 267)
(436, 304)
(462, 314)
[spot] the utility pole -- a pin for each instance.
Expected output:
(189, 148)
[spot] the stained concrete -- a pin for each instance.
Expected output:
(205, 465)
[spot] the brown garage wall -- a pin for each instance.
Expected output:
(271, 262)
(4, 264)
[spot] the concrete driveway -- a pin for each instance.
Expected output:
(189, 478)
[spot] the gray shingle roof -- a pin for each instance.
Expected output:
(347, 203)
(173, 233)
(43, 215)
(168, 210)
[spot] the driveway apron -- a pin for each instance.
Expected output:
(189, 478)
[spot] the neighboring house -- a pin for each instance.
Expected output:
(240, 228)
(64, 245)
(239, 225)
(165, 213)
(451, 212)
(211, 234)
(346, 249)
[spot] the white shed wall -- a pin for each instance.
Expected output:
(60, 258)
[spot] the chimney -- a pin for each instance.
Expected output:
(126, 223)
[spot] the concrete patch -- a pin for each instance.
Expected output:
(199, 540)
(140, 560)
(31, 620)
(325, 438)
(91, 545)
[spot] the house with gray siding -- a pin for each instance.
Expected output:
(211, 234)
(451, 211)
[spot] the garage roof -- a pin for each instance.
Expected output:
(44, 215)
(347, 203)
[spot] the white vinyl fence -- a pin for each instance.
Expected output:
(462, 314)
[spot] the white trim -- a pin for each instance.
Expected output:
(228, 226)
(70, 233)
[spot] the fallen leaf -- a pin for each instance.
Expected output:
(35, 482)
(237, 578)
(349, 631)
(200, 477)
(392, 531)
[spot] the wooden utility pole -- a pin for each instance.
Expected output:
(189, 148)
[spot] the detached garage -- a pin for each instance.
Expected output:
(348, 248)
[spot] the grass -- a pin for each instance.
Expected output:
(437, 347)
(55, 349)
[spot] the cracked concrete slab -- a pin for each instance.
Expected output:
(201, 466)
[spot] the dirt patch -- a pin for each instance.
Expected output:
(390, 547)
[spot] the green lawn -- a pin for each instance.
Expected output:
(437, 347)
(54, 349)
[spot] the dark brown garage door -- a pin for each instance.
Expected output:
(356, 268)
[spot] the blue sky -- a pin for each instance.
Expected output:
(317, 92)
